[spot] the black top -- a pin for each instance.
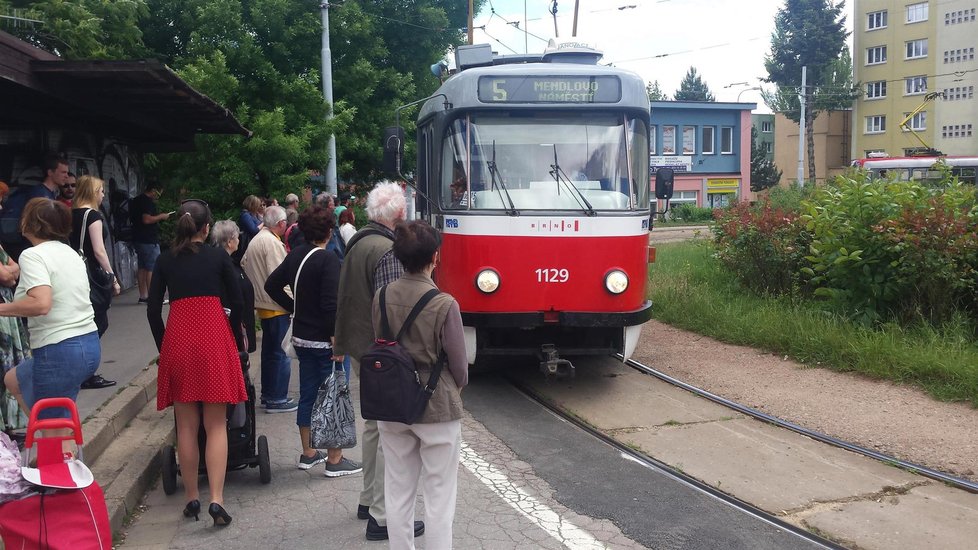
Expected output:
(146, 233)
(248, 312)
(208, 272)
(315, 317)
(77, 216)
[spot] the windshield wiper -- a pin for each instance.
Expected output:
(496, 178)
(560, 177)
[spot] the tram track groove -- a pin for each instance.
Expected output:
(930, 473)
(674, 472)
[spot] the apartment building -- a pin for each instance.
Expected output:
(904, 51)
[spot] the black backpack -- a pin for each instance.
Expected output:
(390, 387)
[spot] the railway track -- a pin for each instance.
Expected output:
(676, 474)
(924, 471)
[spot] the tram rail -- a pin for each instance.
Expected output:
(674, 473)
(951, 480)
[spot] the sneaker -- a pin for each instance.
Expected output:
(363, 512)
(344, 467)
(288, 405)
(306, 462)
(143, 301)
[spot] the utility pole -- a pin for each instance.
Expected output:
(327, 59)
(577, 4)
(471, 17)
(802, 96)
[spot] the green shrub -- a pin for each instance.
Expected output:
(762, 245)
(691, 213)
(886, 250)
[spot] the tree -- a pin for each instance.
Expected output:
(655, 92)
(810, 33)
(82, 29)
(692, 88)
(763, 172)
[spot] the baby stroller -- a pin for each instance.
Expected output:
(244, 449)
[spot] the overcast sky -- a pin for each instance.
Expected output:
(726, 40)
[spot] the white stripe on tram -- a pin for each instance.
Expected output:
(563, 531)
(546, 226)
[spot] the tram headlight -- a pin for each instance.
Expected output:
(616, 281)
(487, 281)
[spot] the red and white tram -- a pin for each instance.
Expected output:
(538, 176)
(923, 168)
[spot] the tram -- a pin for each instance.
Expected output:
(924, 168)
(536, 170)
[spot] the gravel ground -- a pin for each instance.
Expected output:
(898, 420)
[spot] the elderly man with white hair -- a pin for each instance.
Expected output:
(265, 252)
(369, 265)
(292, 208)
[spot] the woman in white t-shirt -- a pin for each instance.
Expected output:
(53, 294)
(346, 227)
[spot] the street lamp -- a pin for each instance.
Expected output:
(747, 90)
(732, 84)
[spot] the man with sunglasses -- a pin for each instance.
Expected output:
(67, 194)
(146, 234)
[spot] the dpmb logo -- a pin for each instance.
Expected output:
(451, 223)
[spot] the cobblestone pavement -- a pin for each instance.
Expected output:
(501, 505)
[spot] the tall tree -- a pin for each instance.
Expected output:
(763, 172)
(655, 92)
(692, 88)
(810, 33)
(82, 29)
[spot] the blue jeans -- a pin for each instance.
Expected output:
(146, 255)
(315, 366)
(58, 370)
(276, 366)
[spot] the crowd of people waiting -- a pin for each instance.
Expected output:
(218, 279)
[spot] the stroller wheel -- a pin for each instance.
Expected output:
(264, 463)
(169, 470)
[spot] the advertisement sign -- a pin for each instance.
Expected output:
(677, 163)
(722, 185)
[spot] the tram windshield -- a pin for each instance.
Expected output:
(546, 161)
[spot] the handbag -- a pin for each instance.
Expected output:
(390, 386)
(333, 424)
(99, 280)
(287, 345)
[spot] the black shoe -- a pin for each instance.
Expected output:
(192, 510)
(363, 512)
(221, 517)
(142, 301)
(95, 382)
(378, 532)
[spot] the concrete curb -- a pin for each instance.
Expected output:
(123, 440)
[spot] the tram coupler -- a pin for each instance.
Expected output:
(553, 365)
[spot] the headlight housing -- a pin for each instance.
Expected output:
(616, 281)
(487, 281)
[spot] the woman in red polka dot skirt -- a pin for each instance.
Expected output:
(199, 366)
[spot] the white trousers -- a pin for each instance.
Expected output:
(428, 453)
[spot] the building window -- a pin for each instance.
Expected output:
(689, 140)
(917, 48)
(916, 85)
(876, 55)
(917, 122)
(768, 147)
(726, 140)
(876, 124)
(876, 90)
(959, 16)
(876, 20)
(668, 140)
(709, 140)
(959, 92)
(956, 131)
(767, 126)
(684, 197)
(917, 12)
(875, 153)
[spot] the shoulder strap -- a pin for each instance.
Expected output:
(366, 231)
(416, 310)
(295, 285)
(385, 326)
(84, 229)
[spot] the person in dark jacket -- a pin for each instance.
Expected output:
(313, 322)
(227, 237)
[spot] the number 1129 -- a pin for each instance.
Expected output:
(552, 275)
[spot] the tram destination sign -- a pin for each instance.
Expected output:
(550, 89)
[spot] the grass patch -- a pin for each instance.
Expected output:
(691, 290)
